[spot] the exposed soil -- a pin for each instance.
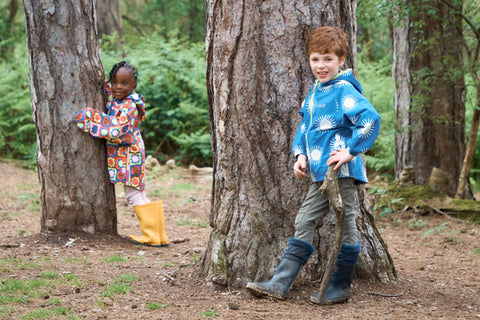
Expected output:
(437, 260)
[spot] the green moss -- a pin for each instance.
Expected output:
(219, 260)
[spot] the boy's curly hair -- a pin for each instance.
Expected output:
(328, 39)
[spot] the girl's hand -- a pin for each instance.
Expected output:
(300, 166)
(339, 156)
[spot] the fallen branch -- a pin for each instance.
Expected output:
(386, 295)
(330, 187)
(9, 245)
(440, 212)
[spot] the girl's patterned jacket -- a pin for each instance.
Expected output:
(336, 115)
(120, 127)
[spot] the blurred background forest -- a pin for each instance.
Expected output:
(164, 39)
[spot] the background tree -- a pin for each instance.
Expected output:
(257, 76)
(109, 19)
(66, 75)
(429, 89)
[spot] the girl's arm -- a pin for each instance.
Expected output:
(118, 129)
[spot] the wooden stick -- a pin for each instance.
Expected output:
(330, 186)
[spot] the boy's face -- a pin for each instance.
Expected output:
(325, 66)
(123, 84)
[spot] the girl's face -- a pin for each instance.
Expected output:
(123, 84)
(325, 66)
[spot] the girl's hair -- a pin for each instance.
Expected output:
(328, 39)
(122, 64)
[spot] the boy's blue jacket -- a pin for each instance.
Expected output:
(336, 115)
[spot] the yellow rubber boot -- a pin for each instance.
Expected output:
(152, 223)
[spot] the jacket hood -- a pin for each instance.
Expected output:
(140, 102)
(347, 75)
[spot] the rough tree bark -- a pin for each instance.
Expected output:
(66, 75)
(257, 77)
(429, 90)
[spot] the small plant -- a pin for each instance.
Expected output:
(156, 305)
(169, 264)
(210, 313)
(416, 223)
(476, 250)
(438, 229)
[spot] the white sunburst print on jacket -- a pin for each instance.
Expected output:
(335, 115)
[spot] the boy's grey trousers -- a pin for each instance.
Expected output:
(316, 205)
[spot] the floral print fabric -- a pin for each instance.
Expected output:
(120, 127)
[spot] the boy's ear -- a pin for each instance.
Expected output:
(342, 60)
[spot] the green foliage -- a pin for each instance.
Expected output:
(376, 81)
(373, 39)
(172, 80)
(180, 18)
(17, 130)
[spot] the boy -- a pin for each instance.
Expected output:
(338, 125)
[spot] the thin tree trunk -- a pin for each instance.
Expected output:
(109, 19)
(429, 90)
(66, 75)
(257, 77)
(472, 141)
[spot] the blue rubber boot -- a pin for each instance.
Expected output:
(293, 259)
(339, 287)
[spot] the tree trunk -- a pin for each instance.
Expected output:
(429, 91)
(66, 75)
(257, 76)
(109, 19)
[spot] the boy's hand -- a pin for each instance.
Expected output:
(300, 166)
(339, 156)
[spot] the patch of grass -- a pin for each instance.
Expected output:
(156, 305)
(169, 264)
(116, 258)
(158, 193)
(121, 285)
(476, 250)
(70, 278)
(210, 313)
(49, 275)
(18, 263)
(75, 260)
(30, 200)
(6, 311)
(190, 222)
(19, 290)
(46, 314)
(179, 187)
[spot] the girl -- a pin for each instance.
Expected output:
(126, 150)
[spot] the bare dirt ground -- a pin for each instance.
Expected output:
(437, 260)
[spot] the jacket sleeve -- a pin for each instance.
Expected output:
(119, 128)
(298, 146)
(366, 122)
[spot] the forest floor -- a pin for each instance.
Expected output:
(80, 276)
